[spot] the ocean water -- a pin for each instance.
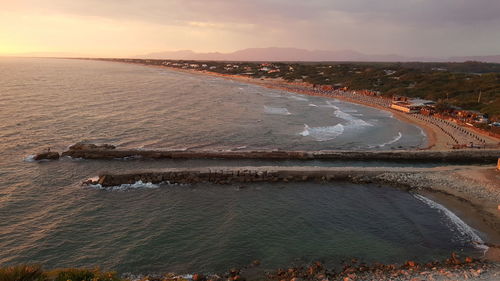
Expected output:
(48, 217)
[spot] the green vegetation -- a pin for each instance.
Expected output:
(472, 91)
(35, 273)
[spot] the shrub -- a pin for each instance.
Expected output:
(22, 273)
(75, 274)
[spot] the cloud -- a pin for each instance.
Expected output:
(421, 27)
(276, 11)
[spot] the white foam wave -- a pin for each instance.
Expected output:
(241, 147)
(74, 158)
(293, 97)
(456, 223)
(323, 133)
(352, 121)
(313, 105)
(330, 105)
(350, 110)
(124, 187)
(395, 139)
(276, 110)
(29, 158)
(422, 132)
(270, 95)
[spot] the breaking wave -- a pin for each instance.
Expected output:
(323, 133)
(29, 158)
(455, 223)
(293, 97)
(124, 187)
(276, 110)
(397, 138)
(352, 121)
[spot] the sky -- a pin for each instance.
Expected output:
(121, 28)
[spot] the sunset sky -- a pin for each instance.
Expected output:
(133, 27)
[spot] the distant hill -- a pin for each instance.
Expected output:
(493, 59)
(295, 54)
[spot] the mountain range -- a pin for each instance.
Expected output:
(295, 54)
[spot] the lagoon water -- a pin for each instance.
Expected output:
(48, 217)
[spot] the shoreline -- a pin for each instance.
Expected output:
(431, 135)
(436, 138)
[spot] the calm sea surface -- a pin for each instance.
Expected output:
(47, 217)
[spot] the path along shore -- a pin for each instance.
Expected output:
(441, 134)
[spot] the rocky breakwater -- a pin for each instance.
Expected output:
(106, 151)
(228, 175)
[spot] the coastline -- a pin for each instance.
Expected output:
(436, 138)
(465, 197)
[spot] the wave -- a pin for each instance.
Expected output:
(240, 147)
(124, 187)
(422, 132)
(352, 121)
(313, 105)
(329, 105)
(29, 158)
(276, 110)
(350, 110)
(456, 223)
(293, 97)
(397, 138)
(270, 95)
(323, 133)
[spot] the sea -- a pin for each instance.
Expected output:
(47, 217)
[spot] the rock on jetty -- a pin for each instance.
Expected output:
(46, 156)
(106, 151)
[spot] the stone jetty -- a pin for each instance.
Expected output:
(229, 175)
(473, 156)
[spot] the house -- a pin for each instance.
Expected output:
(471, 116)
(410, 105)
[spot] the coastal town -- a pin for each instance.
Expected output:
(459, 128)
